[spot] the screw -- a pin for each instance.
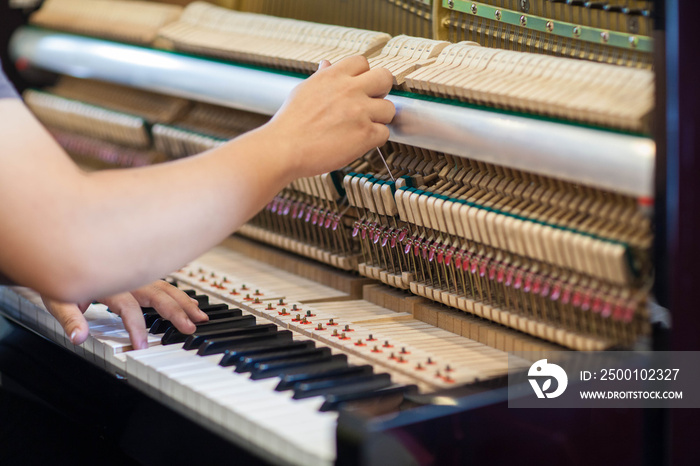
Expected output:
(550, 26)
(474, 8)
(523, 20)
(605, 36)
(577, 31)
(498, 15)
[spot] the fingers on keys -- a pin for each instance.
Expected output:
(71, 319)
(172, 304)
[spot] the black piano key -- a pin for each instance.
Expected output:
(195, 340)
(317, 367)
(222, 324)
(223, 314)
(160, 325)
(190, 293)
(334, 400)
(328, 375)
(279, 368)
(206, 308)
(216, 311)
(223, 344)
(325, 387)
(248, 363)
(150, 317)
(202, 299)
(234, 354)
(173, 335)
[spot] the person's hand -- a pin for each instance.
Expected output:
(335, 116)
(170, 302)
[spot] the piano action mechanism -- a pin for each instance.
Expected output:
(512, 212)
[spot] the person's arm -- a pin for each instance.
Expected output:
(74, 236)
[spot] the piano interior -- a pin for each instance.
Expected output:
(408, 276)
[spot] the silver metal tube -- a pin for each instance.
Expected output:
(603, 159)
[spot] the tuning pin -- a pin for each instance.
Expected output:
(284, 312)
(304, 321)
(448, 368)
(371, 338)
(257, 293)
(281, 302)
(376, 350)
(347, 328)
(319, 327)
(335, 332)
(294, 307)
(212, 275)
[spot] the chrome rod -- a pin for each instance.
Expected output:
(604, 159)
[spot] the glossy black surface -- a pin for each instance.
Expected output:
(224, 344)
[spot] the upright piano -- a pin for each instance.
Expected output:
(532, 197)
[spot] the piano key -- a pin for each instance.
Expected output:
(216, 311)
(269, 369)
(333, 401)
(195, 340)
(159, 326)
(231, 324)
(246, 364)
(349, 384)
(315, 367)
(225, 322)
(325, 373)
(223, 314)
(220, 345)
(232, 355)
(202, 299)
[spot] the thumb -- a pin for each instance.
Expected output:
(71, 319)
(323, 65)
